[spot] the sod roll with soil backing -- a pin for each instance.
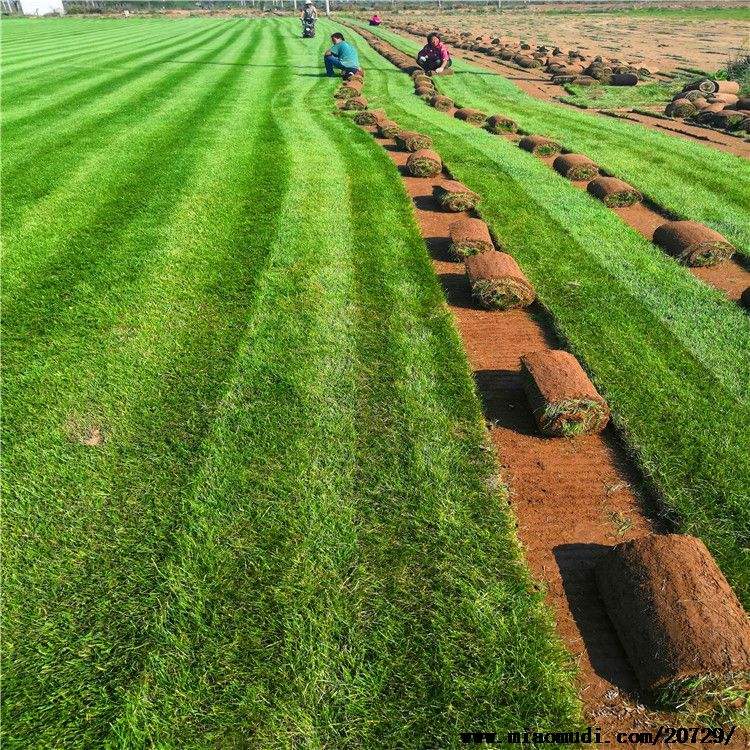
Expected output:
(424, 163)
(497, 282)
(355, 103)
(369, 117)
(455, 196)
(407, 140)
(388, 128)
(575, 166)
(472, 116)
(539, 145)
(614, 193)
(564, 401)
(442, 103)
(677, 617)
(470, 237)
(501, 124)
(692, 243)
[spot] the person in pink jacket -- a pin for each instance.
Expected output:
(434, 56)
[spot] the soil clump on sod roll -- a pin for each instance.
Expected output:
(408, 140)
(614, 193)
(575, 167)
(472, 116)
(499, 124)
(539, 145)
(682, 627)
(692, 243)
(442, 103)
(455, 196)
(424, 163)
(388, 128)
(564, 401)
(470, 237)
(355, 103)
(497, 282)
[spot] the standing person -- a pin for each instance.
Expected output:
(341, 56)
(434, 56)
(375, 20)
(309, 16)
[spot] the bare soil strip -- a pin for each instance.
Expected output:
(573, 498)
(731, 277)
(534, 83)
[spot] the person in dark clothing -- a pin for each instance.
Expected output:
(434, 56)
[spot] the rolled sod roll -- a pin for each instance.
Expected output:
(692, 243)
(388, 128)
(745, 298)
(442, 103)
(726, 99)
(706, 85)
(472, 116)
(407, 140)
(423, 89)
(727, 87)
(575, 166)
(623, 79)
(455, 196)
(585, 81)
(691, 96)
(613, 193)
(680, 108)
(562, 398)
(355, 103)
(348, 90)
(497, 282)
(369, 117)
(676, 616)
(500, 124)
(539, 145)
(469, 237)
(424, 163)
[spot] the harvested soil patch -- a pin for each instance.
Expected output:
(692, 243)
(472, 116)
(497, 282)
(539, 145)
(575, 166)
(470, 237)
(407, 140)
(562, 398)
(614, 193)
(424, 163)
(455, 196)
(676, 615)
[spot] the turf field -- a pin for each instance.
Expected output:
(248, 498)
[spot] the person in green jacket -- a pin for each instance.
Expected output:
(341, 56)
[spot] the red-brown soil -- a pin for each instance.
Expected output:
(573, 498)
(699, 628)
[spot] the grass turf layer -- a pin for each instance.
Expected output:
(291, 533)
(667, 352)
(687, 178)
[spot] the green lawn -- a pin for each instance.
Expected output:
(669, 352)
(687, 178)
(289, 536)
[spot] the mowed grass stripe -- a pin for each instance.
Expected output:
(61, 54)
(668, 352)
(69, 100)
(202, 573)
(46, 207)
(151, 380)
(53, 82)
(95, 127)
(687, 178)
